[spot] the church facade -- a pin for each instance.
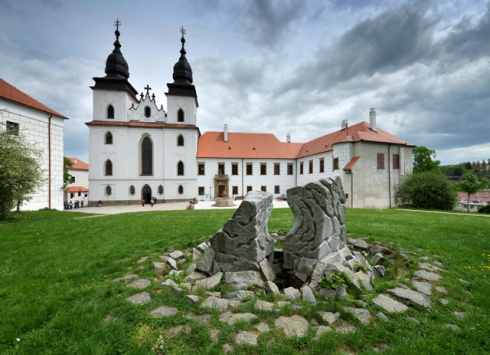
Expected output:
(139, 151)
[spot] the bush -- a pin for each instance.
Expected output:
(484, 209)
(429, 190)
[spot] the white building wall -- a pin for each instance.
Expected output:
(186, 103)
(34, 125)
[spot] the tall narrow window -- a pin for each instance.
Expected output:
(221, 169)
(180, 140)
(108, 168)
(263, 169)
(146, 157)
(290, 169)
(310, 167)
(234, 169)
(110, 111)
(147, 112)
(322, 165)
(277, 169)
(335, 164)
(381, 161)
(235, 190)
(277, 189)
(181, 189)
(108, 190)
(396, 161)
(200, 191)
(108, 138)
(249, 169)
(132, 190)
(160, 190)
(180, 169)
(200, 169)
(301, 168)
(180, 115)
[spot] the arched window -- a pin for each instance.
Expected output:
(108, 190)
(160, 190)
(146, 157)
(180, 169)
(180, 115)
(181, 190)
(147, 112)
(131, 190)
(110, 111)
(180, 140)
(108, 168)
(108, 138)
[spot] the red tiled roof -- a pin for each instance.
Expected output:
(11, 93)
(77, 189)
(78, 164)
(245, 145)
(351, 163)
(356, 133)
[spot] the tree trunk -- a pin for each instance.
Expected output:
(18, 206)
(468, 203)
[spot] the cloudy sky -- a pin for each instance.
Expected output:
(274, 66)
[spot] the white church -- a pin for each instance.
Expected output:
(139, 151)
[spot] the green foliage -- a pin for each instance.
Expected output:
(424, 160)
(429, 190)
(470, 184)
(484, 209)
(334, 279)
(360, 267)
(20, 171)
(66, 175)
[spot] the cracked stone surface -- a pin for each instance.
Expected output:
(200, 318)
(139, 284)
(264, 306)
(411, 295)
(142, 260)
(430, 267)
(292, 326)
(426, 275)
(292, 293)
(164, 311)
(361, 314)
(262, 327)
(321, 329)
(246, 233)
(346, 328)
(213, 334)
(423, 286)
(208, 283)
(389, 304)
(177, 255)
(308, 294)
(234, 318)
(243, 279)
(319, 219)
(143, 297)
(244, 337)
(217, 303)
(444, 301)
(330, 317)
(441, 289)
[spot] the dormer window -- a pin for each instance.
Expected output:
(147, 112)
(110, 111)
(180, 115)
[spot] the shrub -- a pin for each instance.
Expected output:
(484, 209)
(429, 190)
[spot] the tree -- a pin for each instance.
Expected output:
(470, 184)
(20, 171)
(423, 160)
(66, 175)
(429, 190)
(468, 165)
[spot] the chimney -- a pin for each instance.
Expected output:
(372, 119)
(225, 133)
(344, 124)
(75, 161)
(288, 137)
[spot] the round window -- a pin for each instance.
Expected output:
(181, 190)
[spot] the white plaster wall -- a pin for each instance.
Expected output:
(138, 112)
(187, 104)
(33, 124)
(120, 100)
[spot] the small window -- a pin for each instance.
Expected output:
(180, 189)
(249, 170)
(322, 165)
(200, 191)
(277, 189)
(108, 190)
(108, 168)
(381, 161)
(335, 163)
(263, 188)
(12, 127)
(86, 195)
(147, 112)
(79, 193)
(396, 161)
(301, 168)
(110, 111)
(310, 167)
(234, 169)
(249, 188)
(200, 169)
(108, 138)
(180, 115)
(72, 179)
(277, 169)
(160, 190)
(263, 169)
(290, 169)
(180, 169)
(221, 169)
(180, 140)
(72, 195)
(132, 190)
(235, 190)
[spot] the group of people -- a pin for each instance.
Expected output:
(152, 201)
(71, 204)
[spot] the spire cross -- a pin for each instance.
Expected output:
(117, 23)
(147, 88)
(182, 30)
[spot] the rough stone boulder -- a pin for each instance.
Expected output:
(245, 235)
(319, 219)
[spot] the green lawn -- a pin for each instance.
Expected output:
(56, 270)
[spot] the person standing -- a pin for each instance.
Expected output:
(143, 202)
(152, 202)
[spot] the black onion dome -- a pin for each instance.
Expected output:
(115, 64)
(182, 69)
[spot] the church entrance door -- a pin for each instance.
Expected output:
(146, 193)
(221, 190)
